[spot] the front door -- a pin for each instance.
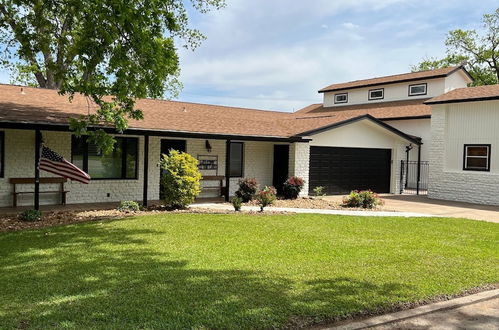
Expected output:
(281, 166)
(166, 146)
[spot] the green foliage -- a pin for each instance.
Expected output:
(127, 49)
(480, 51)
(365, 199)
(319, 191)
(30, 215)
(237, 203)
(129, 206)
(266, 197)
(180, 180)
(292, 187)
(247, 189)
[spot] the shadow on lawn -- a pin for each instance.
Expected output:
(91, 276)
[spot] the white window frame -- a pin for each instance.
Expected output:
(382, 90)
(340, 94)
(466, 157)
(418, 85)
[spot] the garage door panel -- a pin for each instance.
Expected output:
(341, 170)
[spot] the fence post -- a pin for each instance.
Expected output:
(419, 169)
(401, 176)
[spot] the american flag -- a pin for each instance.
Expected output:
(52, 162)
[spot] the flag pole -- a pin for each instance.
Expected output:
(38, 143)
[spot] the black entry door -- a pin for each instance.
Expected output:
(281, 166)
(341, 170)
(166, 146)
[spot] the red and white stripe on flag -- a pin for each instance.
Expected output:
(52, 162)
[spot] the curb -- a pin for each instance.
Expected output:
(418, 311)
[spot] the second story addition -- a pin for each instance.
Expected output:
(401, 87)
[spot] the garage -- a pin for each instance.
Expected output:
(341, 170)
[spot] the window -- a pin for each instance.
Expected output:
(340, 98)
(376, 94)
(476, 157)
(419, 89)
(236, 159)
(121, 163)
(2, 153)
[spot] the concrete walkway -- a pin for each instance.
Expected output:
(477, 311)
(440, 208)
(225, 207)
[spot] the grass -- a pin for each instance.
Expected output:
(235, 271)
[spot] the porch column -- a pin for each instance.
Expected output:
(227, 170)
(146, 170)
(38, 144)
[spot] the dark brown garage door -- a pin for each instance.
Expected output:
(341, 170)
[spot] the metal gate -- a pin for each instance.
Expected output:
(414, 177)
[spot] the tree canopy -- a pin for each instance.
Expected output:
(111, 51)
(480, 51)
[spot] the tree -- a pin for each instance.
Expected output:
(479, 51)
(111, 51)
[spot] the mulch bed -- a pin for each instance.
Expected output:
(56, 218)
(311, 203)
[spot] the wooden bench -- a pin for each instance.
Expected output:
(21, 181)
(220, 188)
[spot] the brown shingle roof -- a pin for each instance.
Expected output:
(469, 94)
(420, 75)
(43, 106)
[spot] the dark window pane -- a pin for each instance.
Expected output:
(420, 89)
(477, 163)
(236, 159)
(77, 151)
(376, 94)
(131, 158)
(105, 166)
(477, 151)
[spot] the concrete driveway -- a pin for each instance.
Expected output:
(423, 204)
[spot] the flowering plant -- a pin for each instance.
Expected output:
(266, 197)
(292, 187)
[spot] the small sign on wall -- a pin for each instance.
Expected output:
(208, 163)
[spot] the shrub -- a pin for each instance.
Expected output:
(236, 202)
(365, 199)
(129, 206)
(266, 197)
(292, 187)
(319, 191)
(30, 215)
(247, 189)
(180, 179)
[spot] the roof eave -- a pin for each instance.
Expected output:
(463, 100)
(416, 140)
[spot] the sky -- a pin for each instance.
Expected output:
(276, 54)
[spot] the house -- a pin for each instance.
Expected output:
(356, 138)
(465, 145)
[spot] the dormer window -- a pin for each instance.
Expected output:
(340, 98)
(419, 89)
(376, 94)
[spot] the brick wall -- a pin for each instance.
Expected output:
(447, 179)
(299, 158)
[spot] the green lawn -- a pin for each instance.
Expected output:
(235, 271)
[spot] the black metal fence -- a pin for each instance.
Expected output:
(414, 177)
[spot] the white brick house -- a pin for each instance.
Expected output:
(356, 139)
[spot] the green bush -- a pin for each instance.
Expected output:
(266, 197)
(30, 215)
(247, 189)
(292, 187)
(180, 180)
(236, 202)
(365, 199)
(319, 191)
(129, 206)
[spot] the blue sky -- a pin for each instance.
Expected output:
(276, 54)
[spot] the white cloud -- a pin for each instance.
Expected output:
(349, 25)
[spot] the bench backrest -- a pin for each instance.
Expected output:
(212, 178)
(32, 180)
